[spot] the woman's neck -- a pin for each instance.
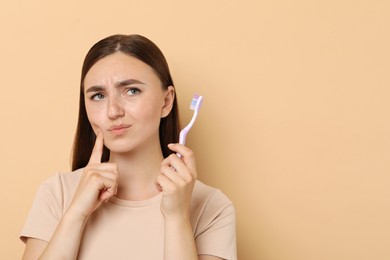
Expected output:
(138, 171)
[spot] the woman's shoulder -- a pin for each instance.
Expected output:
(62, 185)
(205, 196)
(212, 214)
(63, 179)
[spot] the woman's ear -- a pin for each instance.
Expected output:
(168, 101)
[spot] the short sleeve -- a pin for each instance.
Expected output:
(45, 213)
(217, 236)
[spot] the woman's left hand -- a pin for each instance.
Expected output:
(176, 181)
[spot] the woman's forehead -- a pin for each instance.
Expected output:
(119, 67)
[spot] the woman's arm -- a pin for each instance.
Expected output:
(34, 248)
(63, 245)
(179, 241)
(209, 257)
(66, 239)
(98, 183)
(176, 181)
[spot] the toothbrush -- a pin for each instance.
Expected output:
(195, 105)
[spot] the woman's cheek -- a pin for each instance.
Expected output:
(95, 116)
(95, 123)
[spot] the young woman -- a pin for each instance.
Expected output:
(129, 196)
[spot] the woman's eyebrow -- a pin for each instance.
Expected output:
(95, 89)
(128, 82)
(119, 84)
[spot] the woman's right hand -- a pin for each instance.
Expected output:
(98, 183)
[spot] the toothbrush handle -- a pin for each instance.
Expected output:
(183, 135)
(182, 138)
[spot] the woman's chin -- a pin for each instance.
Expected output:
(119, 148)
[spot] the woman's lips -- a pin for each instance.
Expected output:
(119, 130)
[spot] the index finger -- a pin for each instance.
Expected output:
(186, 154)
(97, 152)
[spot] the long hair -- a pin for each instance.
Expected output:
(146, 51)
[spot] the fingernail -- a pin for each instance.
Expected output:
(171, 145)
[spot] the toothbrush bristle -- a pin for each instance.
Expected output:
(194, 102)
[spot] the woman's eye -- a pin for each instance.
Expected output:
(97, 96)
(133, 91)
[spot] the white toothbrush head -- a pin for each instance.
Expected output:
(196, 102)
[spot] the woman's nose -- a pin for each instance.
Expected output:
(115, 108)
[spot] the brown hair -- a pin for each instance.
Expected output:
(146, 51)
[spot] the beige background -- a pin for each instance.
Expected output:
(295, 126)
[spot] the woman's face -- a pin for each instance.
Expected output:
(125, 100)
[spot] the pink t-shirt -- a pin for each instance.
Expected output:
(135, 229)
